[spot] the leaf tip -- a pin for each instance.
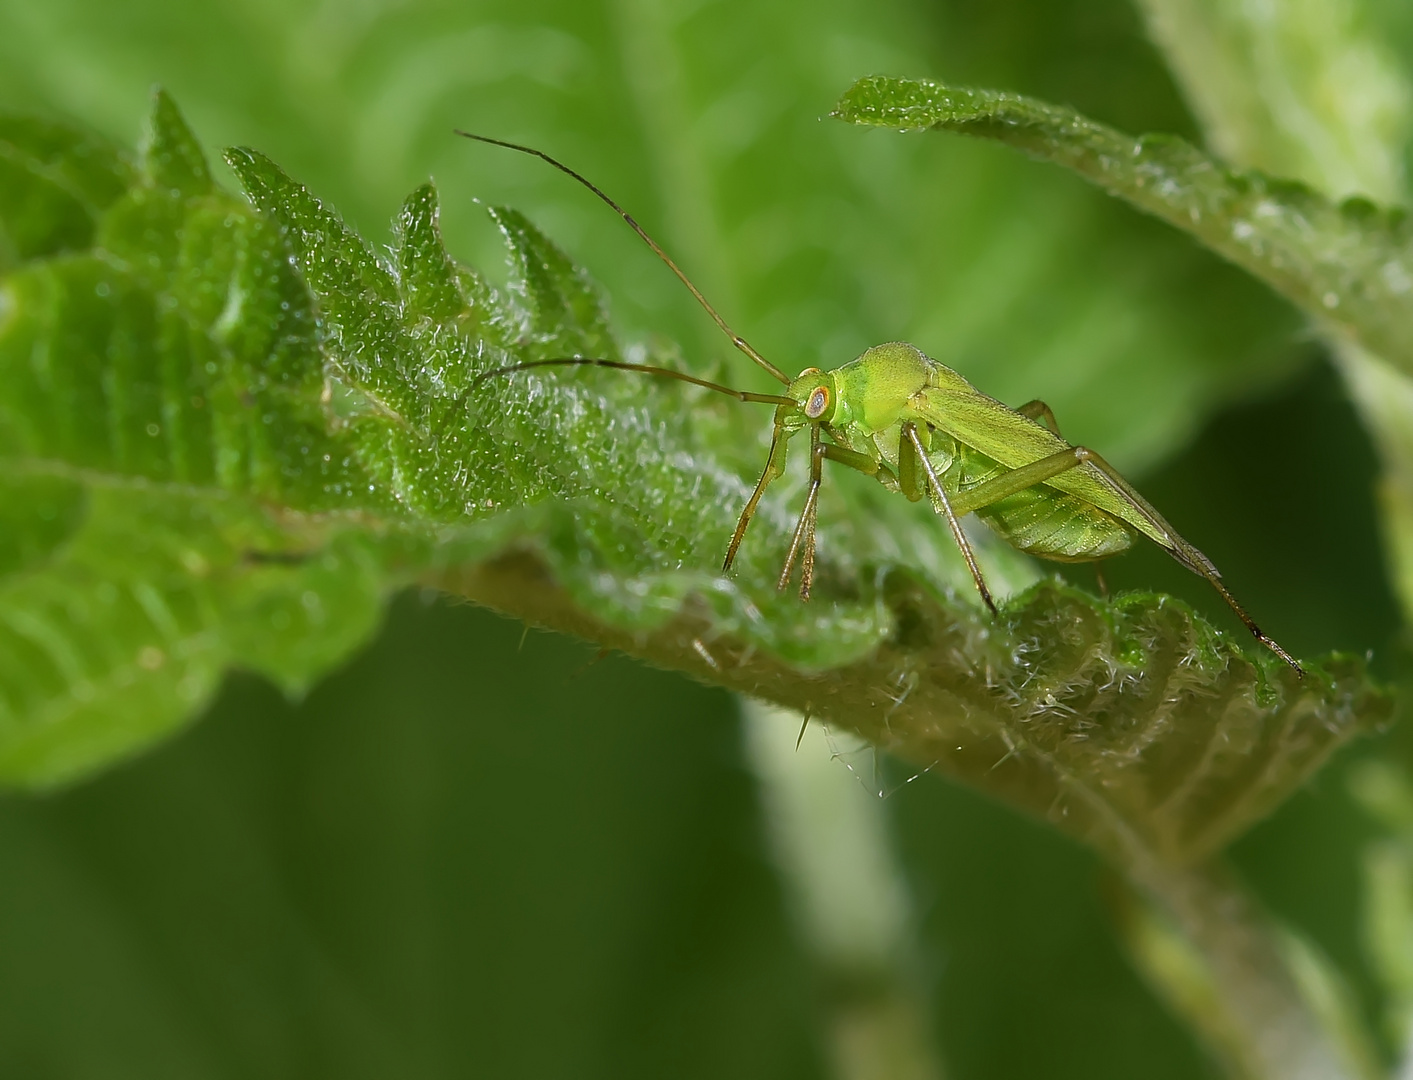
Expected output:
(248, 165)
(427, 273)
(171, 155)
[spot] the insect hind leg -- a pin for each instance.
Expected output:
(1037, 472)
(1190, 557)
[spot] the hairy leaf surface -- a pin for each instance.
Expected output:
(231, 431)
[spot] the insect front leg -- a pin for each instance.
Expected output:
(774, 467)
(803, 540)
(804, 529)
(911, 454)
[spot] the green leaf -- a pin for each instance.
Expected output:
(1311, 91)
(1349, 264)
(273, 425)
(426, 272)
(123, 637)
(55, 182)
(160, 422)
(37, 514)
(171, 156)
(814, 246)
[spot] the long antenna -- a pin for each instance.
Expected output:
(736, 339)
(642, 369)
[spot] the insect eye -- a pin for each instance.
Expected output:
(818, 403)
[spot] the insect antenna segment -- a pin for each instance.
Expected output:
(641, 369)
(736, 339)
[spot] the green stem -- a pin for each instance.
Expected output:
(832, 845)
(1206, 947)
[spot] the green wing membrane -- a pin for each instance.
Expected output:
(999, 432)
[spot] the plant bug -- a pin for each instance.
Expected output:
(919, 428)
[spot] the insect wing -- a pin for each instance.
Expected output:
(1002, 434)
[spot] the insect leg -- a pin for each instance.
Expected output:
(908, 470)
(1027, 476)
(853, 459)
(812, 507)
(1188, 555)
(911, 440)
(1038, 410)
(804, 529)
(1037, 472)
(819, 453)
(774, 467)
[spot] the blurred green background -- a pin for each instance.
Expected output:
(468, 854)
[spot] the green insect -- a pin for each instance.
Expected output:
(919, 428)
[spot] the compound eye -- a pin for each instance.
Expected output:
(818, 403)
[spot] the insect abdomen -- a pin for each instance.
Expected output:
(1056, 526)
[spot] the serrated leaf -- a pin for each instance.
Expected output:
(183, 351)
(1131, 724)
(1350, 264)
(171, 156)
(124, 637)
(150, 387)
(357, 294)
(426, 273)
(565, 311)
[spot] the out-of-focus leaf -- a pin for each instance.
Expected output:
(124, 637)
(1383, 790)
(1306, 89)
(159, 423)
(814, 243)
(55, 182)
(1349, 264)
(37, 514)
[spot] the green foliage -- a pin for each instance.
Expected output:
(162, 433)
(255, 446)
(1309, 90)
(55, 182)
(1349, 264)
(815, 242)
(264, 528)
